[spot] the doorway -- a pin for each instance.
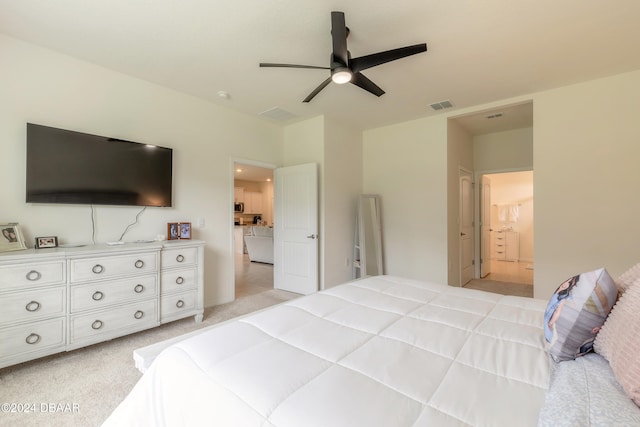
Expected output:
(253, 207)
(506, 236)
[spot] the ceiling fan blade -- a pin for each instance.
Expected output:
(360, 80)
(368, 61)
(266, 64)
(339, 38)
(317, 90)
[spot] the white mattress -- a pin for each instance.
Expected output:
(383, 351)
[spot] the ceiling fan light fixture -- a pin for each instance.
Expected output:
(341, 75)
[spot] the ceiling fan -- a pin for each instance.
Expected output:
(345, 69)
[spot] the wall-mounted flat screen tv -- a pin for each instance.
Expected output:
(64, 166)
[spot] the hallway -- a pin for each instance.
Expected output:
(252, 277)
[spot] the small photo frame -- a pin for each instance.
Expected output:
(178, 230)
(173, 231)
(185, 230)
(46, 242)
(12, 238)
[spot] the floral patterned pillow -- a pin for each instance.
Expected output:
(576, 312)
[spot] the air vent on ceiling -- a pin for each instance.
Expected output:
(279, 114)
(441, 105)
(494, 116)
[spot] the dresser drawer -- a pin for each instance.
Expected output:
(179, 257)
(178, 280)
(173, 305)
(98, 294)
(32, 274)
(82, 270)
(125, 319)
(33, 305)
(32, 337)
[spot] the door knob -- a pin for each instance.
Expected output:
(312, 236)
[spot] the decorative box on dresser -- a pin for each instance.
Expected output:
(61, 299)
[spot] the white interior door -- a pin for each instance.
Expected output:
(466, 227)
(485, 226)
(296, 228)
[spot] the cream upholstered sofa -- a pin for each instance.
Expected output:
(260, 244)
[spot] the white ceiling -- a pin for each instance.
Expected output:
(252, 173)
(478, 51)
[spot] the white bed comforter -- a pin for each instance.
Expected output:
(382, 351)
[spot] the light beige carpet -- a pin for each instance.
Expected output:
(82, 387)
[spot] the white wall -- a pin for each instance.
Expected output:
(586, 150)
(406, 164)
(585, 154)
(304, 143)
(40, 86)
(343, 184)
(337, 150)
(500, 151)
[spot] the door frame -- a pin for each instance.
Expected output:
(462, 171)
(484, 213)
(232, 169)
(476, 208)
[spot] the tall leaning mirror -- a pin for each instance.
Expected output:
(368, 245)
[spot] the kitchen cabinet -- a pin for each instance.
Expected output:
(238, 194)
(253, 202)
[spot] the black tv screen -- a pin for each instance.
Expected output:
(64, 166)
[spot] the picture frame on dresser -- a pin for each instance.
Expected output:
(179, 230)
(46, 242)
(185, 230)
(173, 231)
(12, 238)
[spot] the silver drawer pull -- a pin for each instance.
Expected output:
(180, 303)
(139, 314)
(180, 258)
(97, 269)
(33, 339)
(32, 306)
(139, 288)
(33, 275)
(97, 324)
(97, 296)
(179, 280)
(139, 263)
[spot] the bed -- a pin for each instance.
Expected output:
(381, 351)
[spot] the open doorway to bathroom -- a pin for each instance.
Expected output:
(253, 229)
(506, 236)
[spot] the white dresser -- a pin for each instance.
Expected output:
(61, 299)
(506, 245)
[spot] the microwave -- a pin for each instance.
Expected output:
(238, 207)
